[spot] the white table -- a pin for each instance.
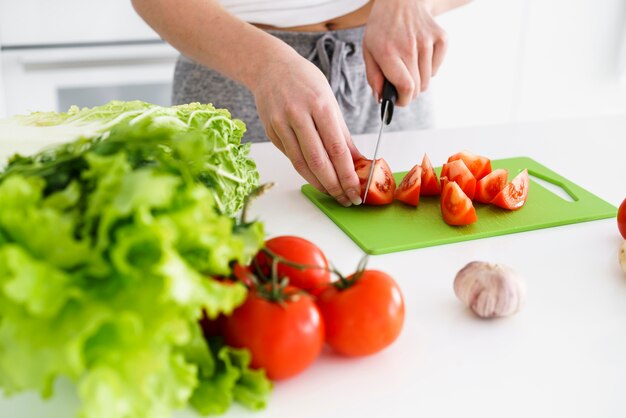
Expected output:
(563, 355)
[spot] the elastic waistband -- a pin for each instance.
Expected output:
(292, 37)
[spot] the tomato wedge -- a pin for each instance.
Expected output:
(514, 194)
(456, 208)
(458, 172)
(489, 186)
(479, 166)
(408, 190)
(383, 185)
(430, 183)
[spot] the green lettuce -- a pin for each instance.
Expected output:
(109, 245)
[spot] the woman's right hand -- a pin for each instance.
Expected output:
(302, 118)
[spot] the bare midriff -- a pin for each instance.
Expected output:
(351, 20)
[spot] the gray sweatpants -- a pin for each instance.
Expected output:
(337, 53)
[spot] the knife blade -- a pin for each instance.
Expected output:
(386, 113)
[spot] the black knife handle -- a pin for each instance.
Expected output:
(389, 95)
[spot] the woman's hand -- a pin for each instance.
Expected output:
(403, 43)
(302, 118)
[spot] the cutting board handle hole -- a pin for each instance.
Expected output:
(555, 186)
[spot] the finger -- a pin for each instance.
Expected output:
(413, 68)
(289, 143)
(374, 74)
(439, 52)
(425, 61)
(398, 74)
(317, 158)
(334, 140)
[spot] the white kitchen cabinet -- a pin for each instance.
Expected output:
(42, 22)
(53, 79)
(71, 52)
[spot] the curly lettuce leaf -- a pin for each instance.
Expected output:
(108, 247)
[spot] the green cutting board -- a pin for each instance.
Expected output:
(398, 227)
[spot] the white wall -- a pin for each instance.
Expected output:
(476, 83)
(520, 60)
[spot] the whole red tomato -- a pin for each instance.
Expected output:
(300, 251)
(621, 219)
(284, 337)
(365, 317)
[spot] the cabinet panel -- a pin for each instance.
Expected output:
(44, 22)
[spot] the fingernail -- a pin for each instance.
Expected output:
(343, 201)
(355, 198)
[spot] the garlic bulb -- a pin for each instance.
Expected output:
(622, 256)
(490, 290)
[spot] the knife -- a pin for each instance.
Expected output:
(386, 113)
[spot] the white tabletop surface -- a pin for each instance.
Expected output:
(563, 355)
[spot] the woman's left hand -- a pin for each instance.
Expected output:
(403, 43)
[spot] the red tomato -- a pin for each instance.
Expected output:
(514, 194)
(458, 172)
(479, 166)
(383, 184)
(365, 317)
(430, 183)
(408, 190)
(456, 207)
(489, 186)
(621, 219)
(301, 251)
(284, 338)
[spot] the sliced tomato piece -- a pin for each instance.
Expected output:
(489, 186)
(408, 191)
(458, 172)
(456, 208)
(430, 183)
(514, 195)
(383, 185)
(479, 166)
